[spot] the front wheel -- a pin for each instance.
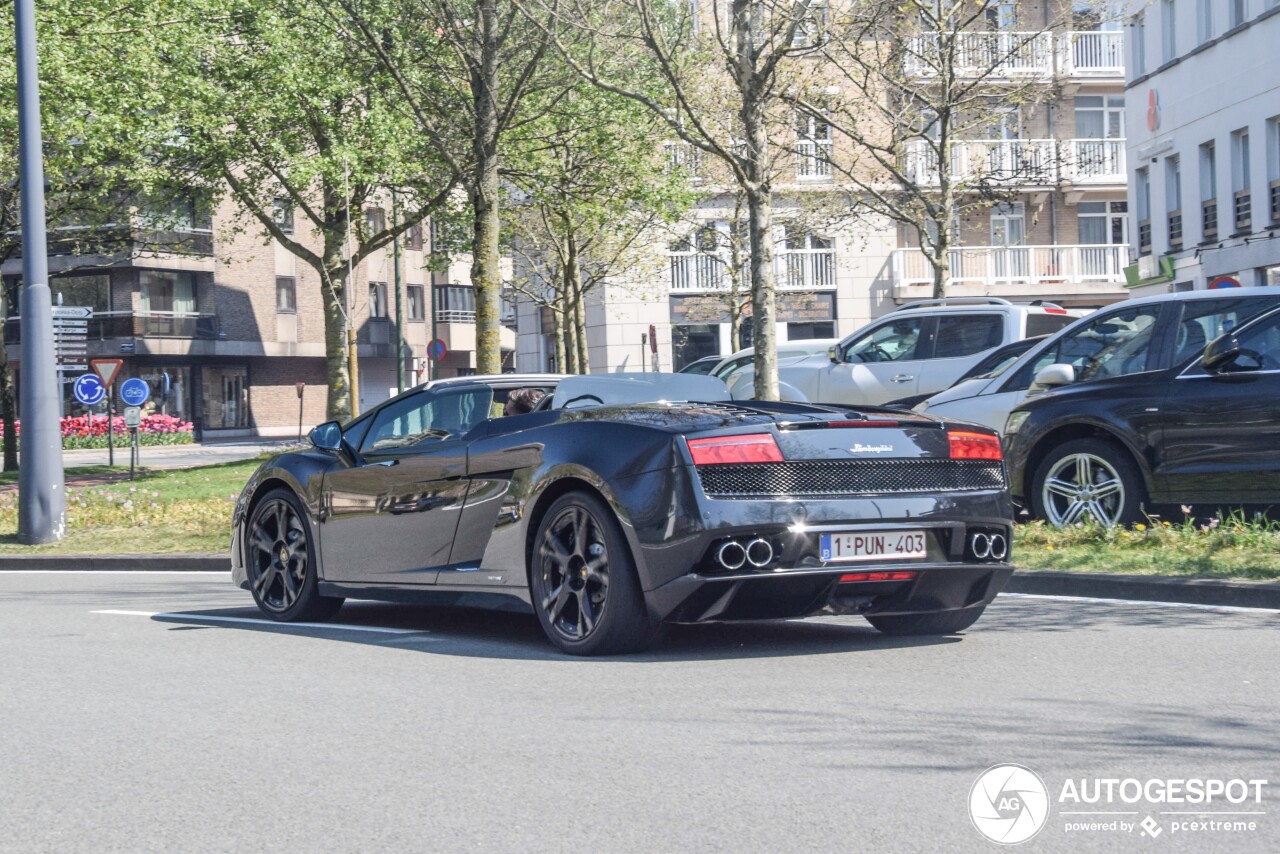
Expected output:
(282, 564)
(940, 623)
(1087, 478)
(583, 581)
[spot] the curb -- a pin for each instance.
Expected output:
(116, 563)
(1187, 591)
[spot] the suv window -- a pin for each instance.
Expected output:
(966, 334)
(1204, 320)
(1044, 324)
(1114, 345)
(895, 341)
(427, 415)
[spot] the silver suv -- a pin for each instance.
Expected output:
(919, 348)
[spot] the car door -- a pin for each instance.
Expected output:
(960, 341)
(390, 517)
(1221, 439)
(882, 364)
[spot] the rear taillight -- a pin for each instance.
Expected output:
(1055, 311)
(725, 450)
(850, 577)
(974, 446)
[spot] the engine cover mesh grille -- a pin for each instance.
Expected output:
(850, 477)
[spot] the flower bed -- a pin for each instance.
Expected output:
(79, 432)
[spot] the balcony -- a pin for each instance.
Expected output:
(1004, 55)
(1091, 54)
(1015, 270)
(1175, 231)
(795, 270)
(1209, 220)
(813, 159)
(1243, 209)
(1036, 162)
(107, 325)
(117, 239)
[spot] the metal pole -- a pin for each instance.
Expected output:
(395, 256)
(42, 501)
(433, 366)
(111, 431)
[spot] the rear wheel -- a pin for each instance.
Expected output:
(583, 581)
(281, 562)
(939, 623)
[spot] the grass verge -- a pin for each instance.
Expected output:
(1227, 546)
(173, 510)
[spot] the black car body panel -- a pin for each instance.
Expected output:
(453, 519)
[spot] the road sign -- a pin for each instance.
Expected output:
(134, 392)
(72, 312)
(132, 416)
(89, 390)
(1224, 282)
(436, 350)
(106, 369)
(68, 367)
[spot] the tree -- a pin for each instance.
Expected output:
(913, 86)
(590, 184)
(277, 116)
(720, 76)
(468, 73)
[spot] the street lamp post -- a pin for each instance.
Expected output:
(42, 504)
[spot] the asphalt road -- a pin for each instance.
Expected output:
(407, 729)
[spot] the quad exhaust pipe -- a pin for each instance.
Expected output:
(735, 554)
(989, 546)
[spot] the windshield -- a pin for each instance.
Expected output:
(624, 388)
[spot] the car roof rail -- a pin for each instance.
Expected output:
(925, 303)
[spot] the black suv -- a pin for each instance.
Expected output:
(1163, 419)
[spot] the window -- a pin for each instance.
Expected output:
(1241, 185)
(378, 300)
(1173, 200)
(964, 335)
(1236, 12)
(1204, 320)
(1139, 45)
(1003, 15)
(1204, 20)
(427, 415)
(416, 296)
(1209, 191)
(891, 342)
(167, 292)
(1116, 344)
(375, 220)
(1273, 167)
(455, 304)
(812, 28)
(1168, 29)
(413, 238)
(1142, 193)
(1099, 117)
(808, 261)
(286, 295)
(282, 211)
(813, 147)
(93, 291)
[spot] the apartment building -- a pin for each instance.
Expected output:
(1060, 231)
(225, 324)
(1204, 151)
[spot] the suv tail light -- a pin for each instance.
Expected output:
(974, 446)
(722, 450)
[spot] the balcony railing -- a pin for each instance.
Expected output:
(1144, 237)
(1209, 219)
(1031, 265)
(1275, 201)
(106, 325)
(1092, 54)
(796, 270)
(1175, 231)
(991, 54)
(1007, 55)
(455, 315)
(1243, 207)
(813, 159)
(1023, 161)
(115, 238)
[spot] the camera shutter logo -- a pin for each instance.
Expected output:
(1009, 804)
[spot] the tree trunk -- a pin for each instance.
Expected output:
(568, 331)
(486, 273)
(763, 299)
(577, 315)
(557, 315)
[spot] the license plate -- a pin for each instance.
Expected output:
(873, 545)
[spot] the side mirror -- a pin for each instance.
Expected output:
(1054, 376)
(833, 353)
(1220, 353)
(327, 437)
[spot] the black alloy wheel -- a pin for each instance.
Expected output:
(583, 581)
(281, 562)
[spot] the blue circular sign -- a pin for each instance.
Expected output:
(89, 390)
(436, 350)
(134, 392)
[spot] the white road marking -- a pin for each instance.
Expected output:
(1186, 605)
(210, 618)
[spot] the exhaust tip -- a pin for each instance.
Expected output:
(980, 544)
(759, 553)
(999, 547)
(732, 555)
